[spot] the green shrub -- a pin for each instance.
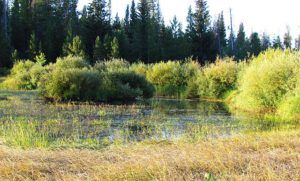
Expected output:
(139, 68)
(192, 71)
(72, 84)
(267, 80)
(168, 78)
(25, 75)
(289, 108)
(127, 85)
(70, 62)
(218, 78)
(114, 65)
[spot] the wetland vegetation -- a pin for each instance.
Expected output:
(84, 96)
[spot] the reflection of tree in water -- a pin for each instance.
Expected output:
(167, 106)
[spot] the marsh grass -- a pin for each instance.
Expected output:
(256, 156)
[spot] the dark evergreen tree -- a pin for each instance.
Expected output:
(221, 35)
(5, 55)
(96, 23)
(203, 41)
(190, 32)
(99, 52)
(287, 40)
(277, 44)
(297, 43)
(21, 27)
(265, 42)
(255, 44)
(144, 25)
(241, 44)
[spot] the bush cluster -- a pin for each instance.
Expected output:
(72, 78)
(173, 78)
(271, 83)
(218, 78)
(25, 75)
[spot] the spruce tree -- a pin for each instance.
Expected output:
(221, 35)
(297, 43)
(203, 41)
(33, 46)
(75, 48)
(98, 54)
(5, 55)
(190, 32)
(277, 44)
(143, 34)
(255, 44)
(265, 42)
(241, 44)
(287, 40)
(115, 48)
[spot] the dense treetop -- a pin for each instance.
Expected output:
(55, 28)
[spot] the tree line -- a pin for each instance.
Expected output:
(55, 28)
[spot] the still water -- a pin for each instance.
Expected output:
(155, 119)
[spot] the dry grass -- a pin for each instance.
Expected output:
(264, 156)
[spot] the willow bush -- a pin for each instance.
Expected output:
(268, 80)
(24, 75)
(218, 78)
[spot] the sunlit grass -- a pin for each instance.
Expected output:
(257, 156)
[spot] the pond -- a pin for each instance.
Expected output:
(26, 116)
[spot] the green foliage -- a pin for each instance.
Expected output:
(115, 48)
(71, 78)
(140, 68)
(40, 59)
(113, 65)
(289, 108)
(25, 75)
(74, 48)
(174, 78)
(127, 85)
(71, 84)
(71, 62)
(218, 78)
(265, 83)
(168, 78)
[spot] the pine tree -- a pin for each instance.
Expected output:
(287, 40)
(143, 34)
(21, 26)
(190, 32)
(221, 35)
(75, 48)
(98, 50)
(297, 43)
(277, 44)
(255, 44)
(5, 55)
(115, 49)
(97, 23)
(33, 46)
(265, 42)
(202, 42)
(241, 44)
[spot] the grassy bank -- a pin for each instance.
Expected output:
(264, 156)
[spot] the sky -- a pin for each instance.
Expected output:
(270, 16)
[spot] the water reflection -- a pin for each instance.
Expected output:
(156, 119)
